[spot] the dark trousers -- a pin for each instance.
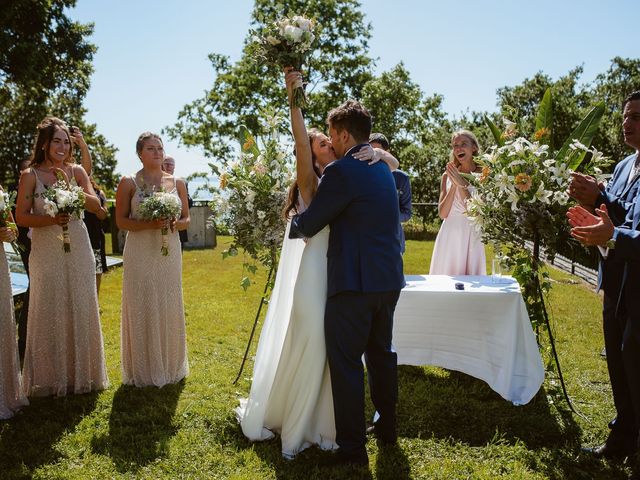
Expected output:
(24, 311)
(356, 324)
(623, 359)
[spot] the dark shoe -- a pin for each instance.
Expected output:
(610, 451)
(388, 438)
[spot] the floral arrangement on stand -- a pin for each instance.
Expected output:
(251, 199)
(286, 43)
(64, 198)
(521, 194)
(161, 206)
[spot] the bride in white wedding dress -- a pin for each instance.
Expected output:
(291, 389)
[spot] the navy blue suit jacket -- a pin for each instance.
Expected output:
(403, 185)
(619, 199)
(360, 203)
(627, 251)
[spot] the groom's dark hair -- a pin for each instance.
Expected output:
(352, 117)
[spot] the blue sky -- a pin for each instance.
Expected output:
(152, 56)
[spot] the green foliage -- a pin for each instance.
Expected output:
(583, 133)
(45, 65)
(544, 118)
(338, 69)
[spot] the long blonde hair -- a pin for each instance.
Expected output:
(471, 137)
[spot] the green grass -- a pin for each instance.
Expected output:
(450, 425)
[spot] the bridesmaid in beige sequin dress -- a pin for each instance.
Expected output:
(153, 338)
(11, 395)
(65, 352)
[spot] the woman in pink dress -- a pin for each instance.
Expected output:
(458, 249)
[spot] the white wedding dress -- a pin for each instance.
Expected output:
(291, 388)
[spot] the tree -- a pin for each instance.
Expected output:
(45, 67)
(337, 70)
(397, 105)
(570, 103)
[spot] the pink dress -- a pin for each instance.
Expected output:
(458, 249)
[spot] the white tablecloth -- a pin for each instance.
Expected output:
(483, 331)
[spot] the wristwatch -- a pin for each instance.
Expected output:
(611, 243)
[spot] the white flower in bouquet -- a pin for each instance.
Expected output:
(292, 33)
(161, 206)
(273, 40)
(50, 208)
(3, 200)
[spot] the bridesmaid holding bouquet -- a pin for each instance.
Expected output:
(64, 352)
(153, 338)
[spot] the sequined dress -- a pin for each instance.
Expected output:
(11, 394)
(65, 350)
(153, 337)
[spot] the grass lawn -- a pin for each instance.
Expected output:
(451, 425)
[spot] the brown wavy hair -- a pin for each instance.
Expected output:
(46, 129)
(294, 190)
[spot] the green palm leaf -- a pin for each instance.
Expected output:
(497, 134)
(584, 133)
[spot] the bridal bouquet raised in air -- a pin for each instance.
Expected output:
(161, 206)
(286, 43)
(62, 197)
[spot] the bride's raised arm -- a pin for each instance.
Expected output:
(305, 175)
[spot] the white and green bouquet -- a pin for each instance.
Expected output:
(161, 206)
(62, 197)
(286, 43)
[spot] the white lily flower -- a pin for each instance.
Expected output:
(560, 197)
(542, 195)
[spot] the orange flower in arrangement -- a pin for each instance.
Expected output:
(223, 181)
(543, 132)
(248, 144)
(523, 182)
(485, 173)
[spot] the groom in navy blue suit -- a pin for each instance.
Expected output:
(365, 276)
